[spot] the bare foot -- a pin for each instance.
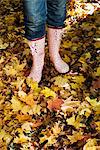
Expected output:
(38, 53)
(59, 64)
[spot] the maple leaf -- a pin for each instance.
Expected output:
(61, 82)
(37, 123)
(36, 109)
(75, 122)
(78, 79)
(75, 136)
(86, 112)
(16, 104)
(26, 109)
(55, 104)
(23, 117)
(56, 129)
(91, 144)
(28, 99)
(3, 45)
(97, 73)
(31, 83)
(21, 139)
(69, 105)
(5, 136)
(94, 103)
(9, 70)
(26, 126)
(67, 44)
(48, 92)
(98, 125)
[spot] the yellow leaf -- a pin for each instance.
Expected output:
(2, 134)
(19, 67)
(69, 105)
(66, 58)
(61, 82)
(87, 55)
(67, 44)
(2, 59)
(35, 110)
(97, 73)
(22, 94)
(98, 125)
(78, 79)
(48, 92)
(21, 139)
(3, 45)
(31, 83)
(94, 103)
(28, 99)
(74, 86)
(16, 104)
(9, 70)
(91, 143)
(97, 44)
(25, 109)
(26, 126)
(75, 137)
(5, 136)
(86, 112)
(18, 83)
(74, 122)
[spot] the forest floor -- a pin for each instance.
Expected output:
(62, 111)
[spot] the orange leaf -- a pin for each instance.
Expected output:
(22, 117)
(55, 104)
(29, 100)
(37, 123)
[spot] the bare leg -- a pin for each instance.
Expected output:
(54, 40)
(38, 54)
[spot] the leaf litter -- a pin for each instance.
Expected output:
(63, 111)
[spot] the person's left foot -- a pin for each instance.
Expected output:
(54, 40)
(59, 64)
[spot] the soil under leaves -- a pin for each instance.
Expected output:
(63, 111)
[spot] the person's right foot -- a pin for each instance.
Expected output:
(37, 49)
(37, 67)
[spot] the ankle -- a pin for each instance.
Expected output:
(54, 56)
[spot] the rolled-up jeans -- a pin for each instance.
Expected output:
(39, 13)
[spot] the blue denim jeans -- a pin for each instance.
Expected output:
(38, 13)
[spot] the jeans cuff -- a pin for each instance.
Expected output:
(35, 34)
(38, 38)
(55, 27)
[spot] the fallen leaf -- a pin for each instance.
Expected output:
(55, 104)
(23, 117)
(96, 84)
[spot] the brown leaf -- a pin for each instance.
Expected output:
(37, 123)
(96, 84)
(55, 104)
